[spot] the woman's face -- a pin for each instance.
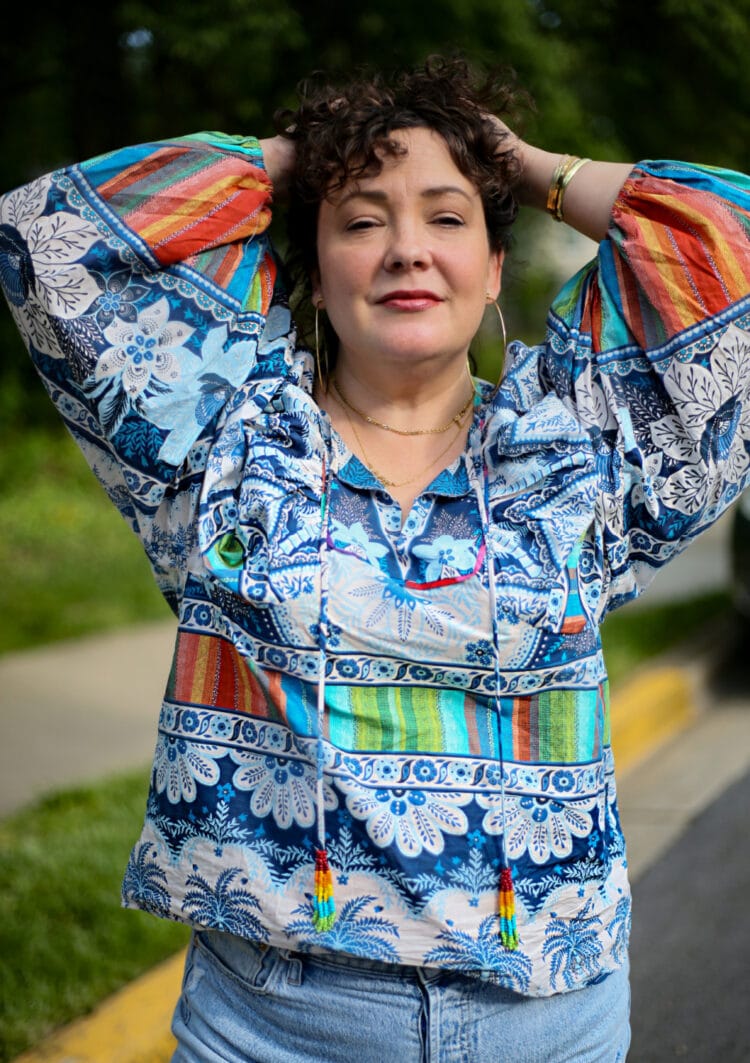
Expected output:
(404, 262)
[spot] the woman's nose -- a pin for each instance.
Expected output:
(407, 249)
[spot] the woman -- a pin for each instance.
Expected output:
(383, 792)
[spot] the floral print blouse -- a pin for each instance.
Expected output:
(431, 691)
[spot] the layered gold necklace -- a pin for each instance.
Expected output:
(456, 421)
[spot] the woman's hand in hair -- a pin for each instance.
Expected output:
(279, 154)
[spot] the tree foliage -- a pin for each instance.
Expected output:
(666, 79)
(611, 79)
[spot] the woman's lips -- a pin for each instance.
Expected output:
(409, 300)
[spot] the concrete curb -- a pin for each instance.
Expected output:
(132, 1026)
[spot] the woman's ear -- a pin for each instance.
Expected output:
(317, 293)
(495, 273)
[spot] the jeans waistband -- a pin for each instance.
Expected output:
(377, 968)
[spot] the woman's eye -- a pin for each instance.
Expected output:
(449, 219)
(360, 223)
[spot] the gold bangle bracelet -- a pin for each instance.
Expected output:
(566, 169)
(554, 185)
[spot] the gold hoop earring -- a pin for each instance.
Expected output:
(495, 303)
(320, 354)
(502, 326)
(472, 381)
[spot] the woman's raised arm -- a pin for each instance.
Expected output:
(583, 194)
(588, 196)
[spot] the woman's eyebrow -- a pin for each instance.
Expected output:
(444, 190)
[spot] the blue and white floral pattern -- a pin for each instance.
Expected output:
(573, 946)
(149, 349)
(540, 827)
(452, 740)
(225, 906)
(356, 931)
(713, 402)
(281, 787)
(446, 556)
(42, 272)
(462, 951)
(412, 820)
(179, 766)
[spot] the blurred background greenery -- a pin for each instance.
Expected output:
(669, 78)
(615, 80)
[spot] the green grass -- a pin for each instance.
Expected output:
(69, 564)
(637, 633)
(65, 942)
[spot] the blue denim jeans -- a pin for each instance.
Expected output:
(244, 1003)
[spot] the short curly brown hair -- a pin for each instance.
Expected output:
(342, 131)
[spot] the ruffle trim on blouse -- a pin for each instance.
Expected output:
(259, 515)
(259, 524)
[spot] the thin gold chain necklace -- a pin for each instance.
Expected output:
(400, 483)
(455, 419)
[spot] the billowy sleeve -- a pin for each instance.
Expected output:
(649, 348)
(141, 283)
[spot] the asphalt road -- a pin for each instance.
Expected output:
(73, 712)
(690, 972)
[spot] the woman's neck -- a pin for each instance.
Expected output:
(409, 399)
(404, 430)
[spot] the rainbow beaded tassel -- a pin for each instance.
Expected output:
(507, 911)
(324, 910)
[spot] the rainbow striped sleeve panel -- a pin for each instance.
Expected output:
(197, 200)
(678, 254)
(185, 196)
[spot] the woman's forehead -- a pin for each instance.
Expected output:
(420, 159)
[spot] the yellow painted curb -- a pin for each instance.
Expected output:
(649, 710)
(133, 1025)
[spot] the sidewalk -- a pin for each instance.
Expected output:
(80, 711)
(689, 968)
(75, 712)
(662, 728)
